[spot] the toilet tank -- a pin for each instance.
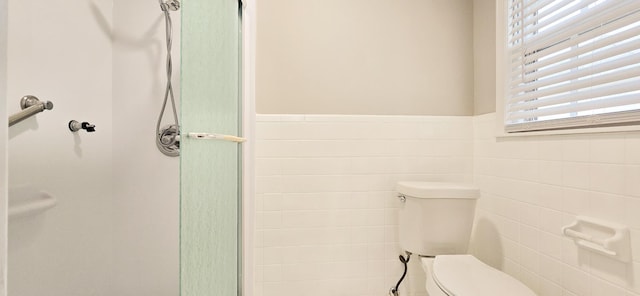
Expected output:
(435, 218)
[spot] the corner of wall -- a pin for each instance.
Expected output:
(484, 66)
(3, 147)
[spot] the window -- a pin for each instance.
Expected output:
(572, 63)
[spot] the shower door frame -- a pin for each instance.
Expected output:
(4, 14)
(242, 87)
(247, 68)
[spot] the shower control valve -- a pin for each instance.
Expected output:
(75, 126)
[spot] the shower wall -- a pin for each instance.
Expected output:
(146, 182)
(61, 53)
(115, 228)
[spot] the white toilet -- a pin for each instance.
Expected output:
(435, 221)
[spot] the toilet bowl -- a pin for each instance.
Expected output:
(435, 220)
(464, 275)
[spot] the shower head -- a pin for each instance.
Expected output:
(167, 5)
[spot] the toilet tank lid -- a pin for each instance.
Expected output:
(437, 190)
(464, 275)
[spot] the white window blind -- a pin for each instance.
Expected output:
(573, 63)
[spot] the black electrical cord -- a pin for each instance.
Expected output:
(404, 261)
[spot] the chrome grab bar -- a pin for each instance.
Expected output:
(30, 106)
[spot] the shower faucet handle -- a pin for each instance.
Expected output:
(89, 127)
(75, 126)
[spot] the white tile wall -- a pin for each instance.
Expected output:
(325, 208)
(532, 186)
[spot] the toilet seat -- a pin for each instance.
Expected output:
(464, 275)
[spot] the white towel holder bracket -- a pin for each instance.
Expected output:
(213, 136)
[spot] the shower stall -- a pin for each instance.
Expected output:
(122, 218)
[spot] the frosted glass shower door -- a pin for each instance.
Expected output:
(209, 188)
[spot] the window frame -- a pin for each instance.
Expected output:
(503, 81)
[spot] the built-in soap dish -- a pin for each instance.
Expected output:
(27, 200)
(602, 237)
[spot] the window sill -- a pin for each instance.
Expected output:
(500, 133)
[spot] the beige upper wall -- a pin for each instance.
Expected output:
(484, 56)
(412, 57)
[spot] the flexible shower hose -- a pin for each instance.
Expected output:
(167, 138)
